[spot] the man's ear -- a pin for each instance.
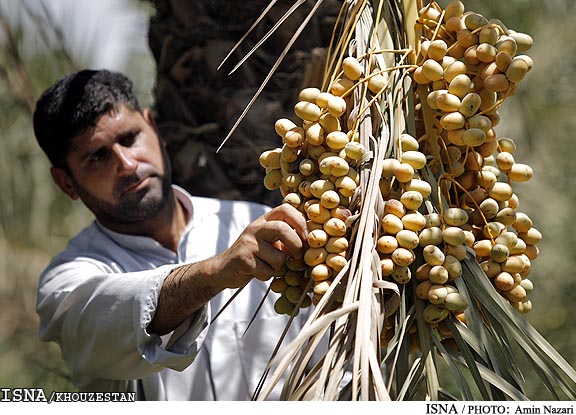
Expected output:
(147, 114)
(63, 181)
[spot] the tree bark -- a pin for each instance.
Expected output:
(196, 104)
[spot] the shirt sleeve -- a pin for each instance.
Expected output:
(99, 319)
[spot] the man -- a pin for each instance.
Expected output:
(132, 300)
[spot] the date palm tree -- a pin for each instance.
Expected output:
(197, 101)
(379, 329)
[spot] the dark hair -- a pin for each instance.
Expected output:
(75, 103)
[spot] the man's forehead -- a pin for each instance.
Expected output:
(119, 118)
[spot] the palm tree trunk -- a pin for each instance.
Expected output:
(196, 104)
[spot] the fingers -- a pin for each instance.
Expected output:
(290, 215)
(264, 245)
(276, 231)
(268, 260)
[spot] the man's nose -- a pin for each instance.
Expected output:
(125, 162)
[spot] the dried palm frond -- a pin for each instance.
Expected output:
(368, 336)
(276, 64)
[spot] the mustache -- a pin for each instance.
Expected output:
(128, 181)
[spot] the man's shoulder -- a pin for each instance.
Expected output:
(234, 208)
(86, 243)
(206, 205)
(89, 236)
(82, 250)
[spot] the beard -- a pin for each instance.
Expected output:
(132, 207)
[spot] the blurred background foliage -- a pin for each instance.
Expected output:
(39, 44)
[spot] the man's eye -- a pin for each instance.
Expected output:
(128, 140)
(98, 155)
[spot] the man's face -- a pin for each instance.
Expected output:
(119, 168)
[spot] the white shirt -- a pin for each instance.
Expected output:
(97, 297)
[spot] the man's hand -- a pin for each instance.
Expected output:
(260, 251)
(263, 247)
